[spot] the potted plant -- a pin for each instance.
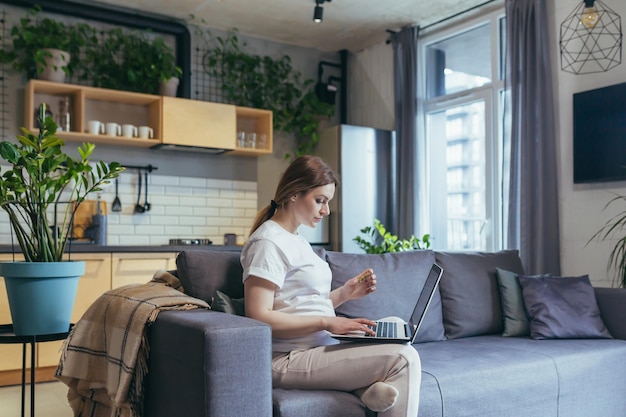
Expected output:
(40, 191)
(164, 64)
(379, 240)
(130, 61)
(615, 229)
(43, 47)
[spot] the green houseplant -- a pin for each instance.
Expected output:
(40, 191)
(379, 240)
(130, 61)
(264, 82)
(615, 229)
(34, 41)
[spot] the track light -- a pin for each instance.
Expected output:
(318, 12)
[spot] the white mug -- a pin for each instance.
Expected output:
(95, 127)
(113, 129)
(145, 132)
(129, 131)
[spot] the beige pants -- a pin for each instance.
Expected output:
(352, 366)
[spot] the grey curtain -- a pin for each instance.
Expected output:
(405, 91)
(533, 211)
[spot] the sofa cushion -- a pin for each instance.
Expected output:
(469, 290)
(225, 304)
(514, 316)
(317, 403)
(562, 308)
(204, 272)
(400, 278)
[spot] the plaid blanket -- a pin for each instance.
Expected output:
(104, 359)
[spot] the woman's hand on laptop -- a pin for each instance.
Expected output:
(343, 325)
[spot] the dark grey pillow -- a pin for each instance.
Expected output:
(400, 278)
(562, 308)
(469, 290)
(222, 302)
(202, 273)
(514, 316)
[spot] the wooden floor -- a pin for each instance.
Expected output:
(50, 400)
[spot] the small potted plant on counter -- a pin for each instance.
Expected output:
(40, 191)
(43, 47)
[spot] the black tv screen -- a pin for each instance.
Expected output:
(600, 134)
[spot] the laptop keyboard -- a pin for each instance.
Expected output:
(385, 329)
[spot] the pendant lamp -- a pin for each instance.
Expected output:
(591, 39)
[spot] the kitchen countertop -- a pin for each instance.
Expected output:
(90, 248)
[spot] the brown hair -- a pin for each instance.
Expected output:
(303, 174)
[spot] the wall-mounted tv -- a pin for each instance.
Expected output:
(600, 135)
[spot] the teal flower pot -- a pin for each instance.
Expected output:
(41, 295)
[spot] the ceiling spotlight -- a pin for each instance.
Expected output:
(318, 12)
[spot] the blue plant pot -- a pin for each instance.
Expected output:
(41, 295)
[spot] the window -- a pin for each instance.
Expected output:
(461, 118)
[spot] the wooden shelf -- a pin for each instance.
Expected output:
(174, 121)
(91, 103)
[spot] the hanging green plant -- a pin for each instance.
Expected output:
(264, 82)
(131, 61)
(27, 48)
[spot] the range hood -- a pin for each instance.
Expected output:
(189, 148)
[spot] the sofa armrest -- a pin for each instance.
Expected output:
(204, 363)
(612, 303)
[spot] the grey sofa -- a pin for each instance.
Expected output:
(210, 363)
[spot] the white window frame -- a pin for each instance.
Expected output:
(491, 95)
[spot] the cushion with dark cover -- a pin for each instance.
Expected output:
(514, 316)
(469, 290)
(225, 304)
(202, 273)
(562, 308)
(400, 278)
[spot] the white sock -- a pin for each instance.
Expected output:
(379, 396)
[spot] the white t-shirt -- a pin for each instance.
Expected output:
(302, 279)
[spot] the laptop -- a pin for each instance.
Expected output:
(400, 331)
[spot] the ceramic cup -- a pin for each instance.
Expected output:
(129, 131)
(95, 127)
(113, 129)
(145, 132)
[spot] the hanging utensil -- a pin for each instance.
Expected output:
(138, 207)
(146, 205)
(117, 204)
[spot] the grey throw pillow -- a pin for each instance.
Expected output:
(202, 273)
(222, 302)
(401, 277)
(514, 316)
(562, 308)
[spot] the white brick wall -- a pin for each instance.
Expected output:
(181, 207)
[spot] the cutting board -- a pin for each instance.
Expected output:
(82, 217)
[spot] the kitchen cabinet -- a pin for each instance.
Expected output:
(175, 122)
(139, 268)
(10, 355)
(91, 103)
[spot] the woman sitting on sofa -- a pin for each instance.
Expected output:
(287, 285)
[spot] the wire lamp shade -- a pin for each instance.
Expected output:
(591, 39)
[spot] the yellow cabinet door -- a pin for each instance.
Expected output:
(10, 355)
(198, 123)
(139, 268)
